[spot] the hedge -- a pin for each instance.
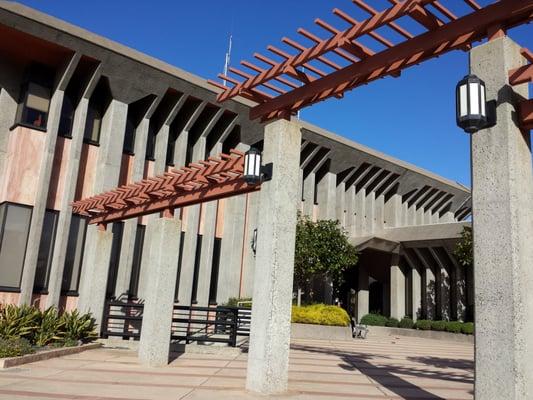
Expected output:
(407, 323)
(320, 314)
(374, 320)
(438, 325)
(422, 324)
(468, 328)
(392, 323)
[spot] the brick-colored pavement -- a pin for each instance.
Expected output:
(381, 367)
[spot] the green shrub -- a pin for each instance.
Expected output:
(438, 325)
(320, 314)
(423, 324)
(392, 323)
(14, 347)
(407, 323)
(50, 328)
(19, 321)
(374, 320)
(454, 326)
(76, 327)
(468, 328)
(234, 302)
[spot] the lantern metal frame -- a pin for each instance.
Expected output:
(473, 111)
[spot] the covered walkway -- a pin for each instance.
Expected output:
(381, 367)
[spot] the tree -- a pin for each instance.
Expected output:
(463, 249)
(322, 248)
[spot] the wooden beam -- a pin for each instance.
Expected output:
(525, 110)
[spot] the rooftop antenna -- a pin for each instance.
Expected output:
(228, 54)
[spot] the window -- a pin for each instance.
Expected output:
(46, 249)
(214, 271)
(118, 228)
(14, 229)
(129, 137)
(150, 144)
(196, 272)
(67, 117)
(93, 125)
(35, 103)
(74, 256)
(137, 258)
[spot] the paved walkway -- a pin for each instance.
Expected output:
(381, 367)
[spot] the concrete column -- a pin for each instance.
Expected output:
(268, 357)
(249, 256)
(362, 293)
(360, 213)
(9, 94)
(430, 285)
(190, 238)
(416, 294)
(502, 182)
(379, 213)
(350, 211)
(154, 346)
(65, 213)
(397, 288)
(340, 207)
(229, 273)
(326, 196)
(309, 194)
(393, 212)
(445, 288)
(43, 182)
(97, 255)
(370, 213)
(107, 172)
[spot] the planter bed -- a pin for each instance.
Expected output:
(320, 332)
(45, 355)
(438, 335)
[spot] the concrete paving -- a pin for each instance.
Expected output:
(380, 367)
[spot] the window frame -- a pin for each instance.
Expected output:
(44, 289)
(2, 231)
(75, 293)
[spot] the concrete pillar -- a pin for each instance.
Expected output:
(268, 356)
(502, 182)
(430, 285)
(43, 182)
(370, 212)
(379, 213)
(249, 256)
(9, 94)
(350, 211)
(360, 213)
(154, 346)
(97, 255)
(416, 293)
(340, 207)
(397, 288)
(393, 212)
(107, 171)
(326, 196)
(362, 292)
(229, 273)
(65, 213)
(309, 194)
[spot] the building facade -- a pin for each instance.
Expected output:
(80, 114)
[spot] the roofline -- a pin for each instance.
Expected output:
(135, 55)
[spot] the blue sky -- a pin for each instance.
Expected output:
(412, 118)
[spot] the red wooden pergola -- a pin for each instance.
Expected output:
(331, 65)
(212, 179)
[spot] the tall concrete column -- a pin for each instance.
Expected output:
(326, 196)
(360, 213)
(97, 255)
(416, 293)
(502, 182)
(350, 211)
(397, 288)
(43, 182)
(9, 94)
(309, 195)
(393, 212)
(362, 293)
(154, 346)
(340, 207)
(268, 357)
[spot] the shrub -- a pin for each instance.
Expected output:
(407, 323)
(320, 314)
(19, 321)
(438, 325)
(50, 328)
(392, 323)
(374, 320)
(468, 328)
(454, 326)
(423, 324)
(78, 327)
(234, 302)
(14, 347)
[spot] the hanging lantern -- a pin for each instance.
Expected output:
(471, 104)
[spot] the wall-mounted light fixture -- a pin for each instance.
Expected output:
(254, 171)
(473, 112)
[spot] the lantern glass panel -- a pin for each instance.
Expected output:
(463, 100)
(474, 98)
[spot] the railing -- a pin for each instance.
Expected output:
(244, 320)
(122, 318)
(205, 324)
